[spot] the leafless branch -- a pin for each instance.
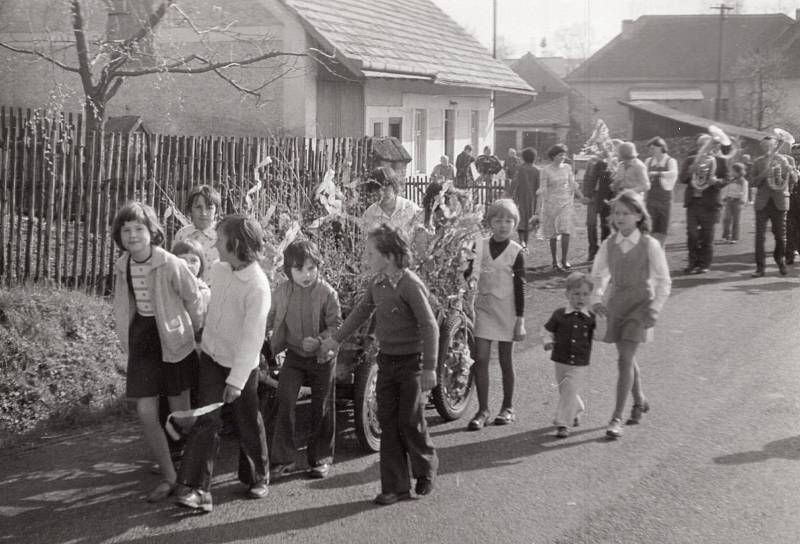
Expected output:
(41, 55)
(207, 65)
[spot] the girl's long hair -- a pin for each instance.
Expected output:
(634, 202)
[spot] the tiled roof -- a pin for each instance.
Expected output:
(679, 47)
(701, 123)
(537, 113)
(412, 37)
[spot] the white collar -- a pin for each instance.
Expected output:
(633, 238)
(569, 309)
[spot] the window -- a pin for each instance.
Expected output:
(474, 130)
(396, 127)
(377, 129)
(449, 133)
(420, 140)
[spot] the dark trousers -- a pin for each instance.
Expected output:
(404, 431)
(296, 371)
(202, 445)
(793, 228)
(777, 219)
(593, 210)
(700, 222)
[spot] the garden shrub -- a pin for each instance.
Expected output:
(58, 358)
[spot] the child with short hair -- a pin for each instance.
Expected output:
(409, 340)
(203, 205)
(499, 271)
(157, 308)
(632, 270)
(734, 196)
(305, 310)
(231, 350)
(568, 334)
(191, 252)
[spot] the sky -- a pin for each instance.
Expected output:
(577, 28)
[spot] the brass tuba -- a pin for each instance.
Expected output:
(704, 166)
(777, 167)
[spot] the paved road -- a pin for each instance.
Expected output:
(716, 460)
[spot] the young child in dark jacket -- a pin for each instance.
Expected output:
(568, 334)
(406, 329)
(305, 310)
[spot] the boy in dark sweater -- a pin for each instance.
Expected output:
(409, 337)
(569, 333)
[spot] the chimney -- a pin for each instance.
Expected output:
(627, 28)
(797, 14)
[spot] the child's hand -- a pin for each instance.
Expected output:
(311, 344)
(600, 309)
(651, 318)
(231, 393)
(428, 380)
(519, 330)
(548, 346)
(328, 344)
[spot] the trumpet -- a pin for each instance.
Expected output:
(777, 167)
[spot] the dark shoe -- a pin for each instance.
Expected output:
(385, 499)
(759, 273)
(636, 413)
(689, 269)
(319, 471)
(614, 429)
(577, 421)
(258, 491)
(782, 269)
(478, 422)
(562, 432)
(424, 486)
(196, 499)
(161, 492)
(701, 270)
(278, 471)
(505, 416)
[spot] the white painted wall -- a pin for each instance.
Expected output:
(397, 98)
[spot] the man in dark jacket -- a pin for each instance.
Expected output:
(702, 201)
(597, 193)
(463, 174)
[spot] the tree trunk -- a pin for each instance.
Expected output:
(94, 114)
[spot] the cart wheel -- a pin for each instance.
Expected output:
(454, 388)
(368, 431)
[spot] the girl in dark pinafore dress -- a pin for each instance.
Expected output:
(631, 284)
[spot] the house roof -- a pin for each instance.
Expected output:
(538, 113)
(539, 75)
(411, 37)
(679, 47)
(702, 123)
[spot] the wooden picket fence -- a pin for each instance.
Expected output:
(61, 186)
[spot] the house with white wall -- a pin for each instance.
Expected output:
(375, 68)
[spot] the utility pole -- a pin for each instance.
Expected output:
(722, 8)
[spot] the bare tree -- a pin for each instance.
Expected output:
(759, 101)
(104, 59)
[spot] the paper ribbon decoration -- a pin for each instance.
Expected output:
(183, 414)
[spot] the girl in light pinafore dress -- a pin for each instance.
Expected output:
(499, 268)
(632, 283)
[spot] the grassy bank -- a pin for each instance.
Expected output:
(58, 362)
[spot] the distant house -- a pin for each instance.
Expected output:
(558, 113)
(672, 60)
(400, 68)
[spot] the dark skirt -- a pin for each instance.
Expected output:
(148, 374)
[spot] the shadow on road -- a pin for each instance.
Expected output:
(284, 522)
(786, 448)
(492, 453)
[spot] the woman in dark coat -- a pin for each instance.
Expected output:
(523, 190)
